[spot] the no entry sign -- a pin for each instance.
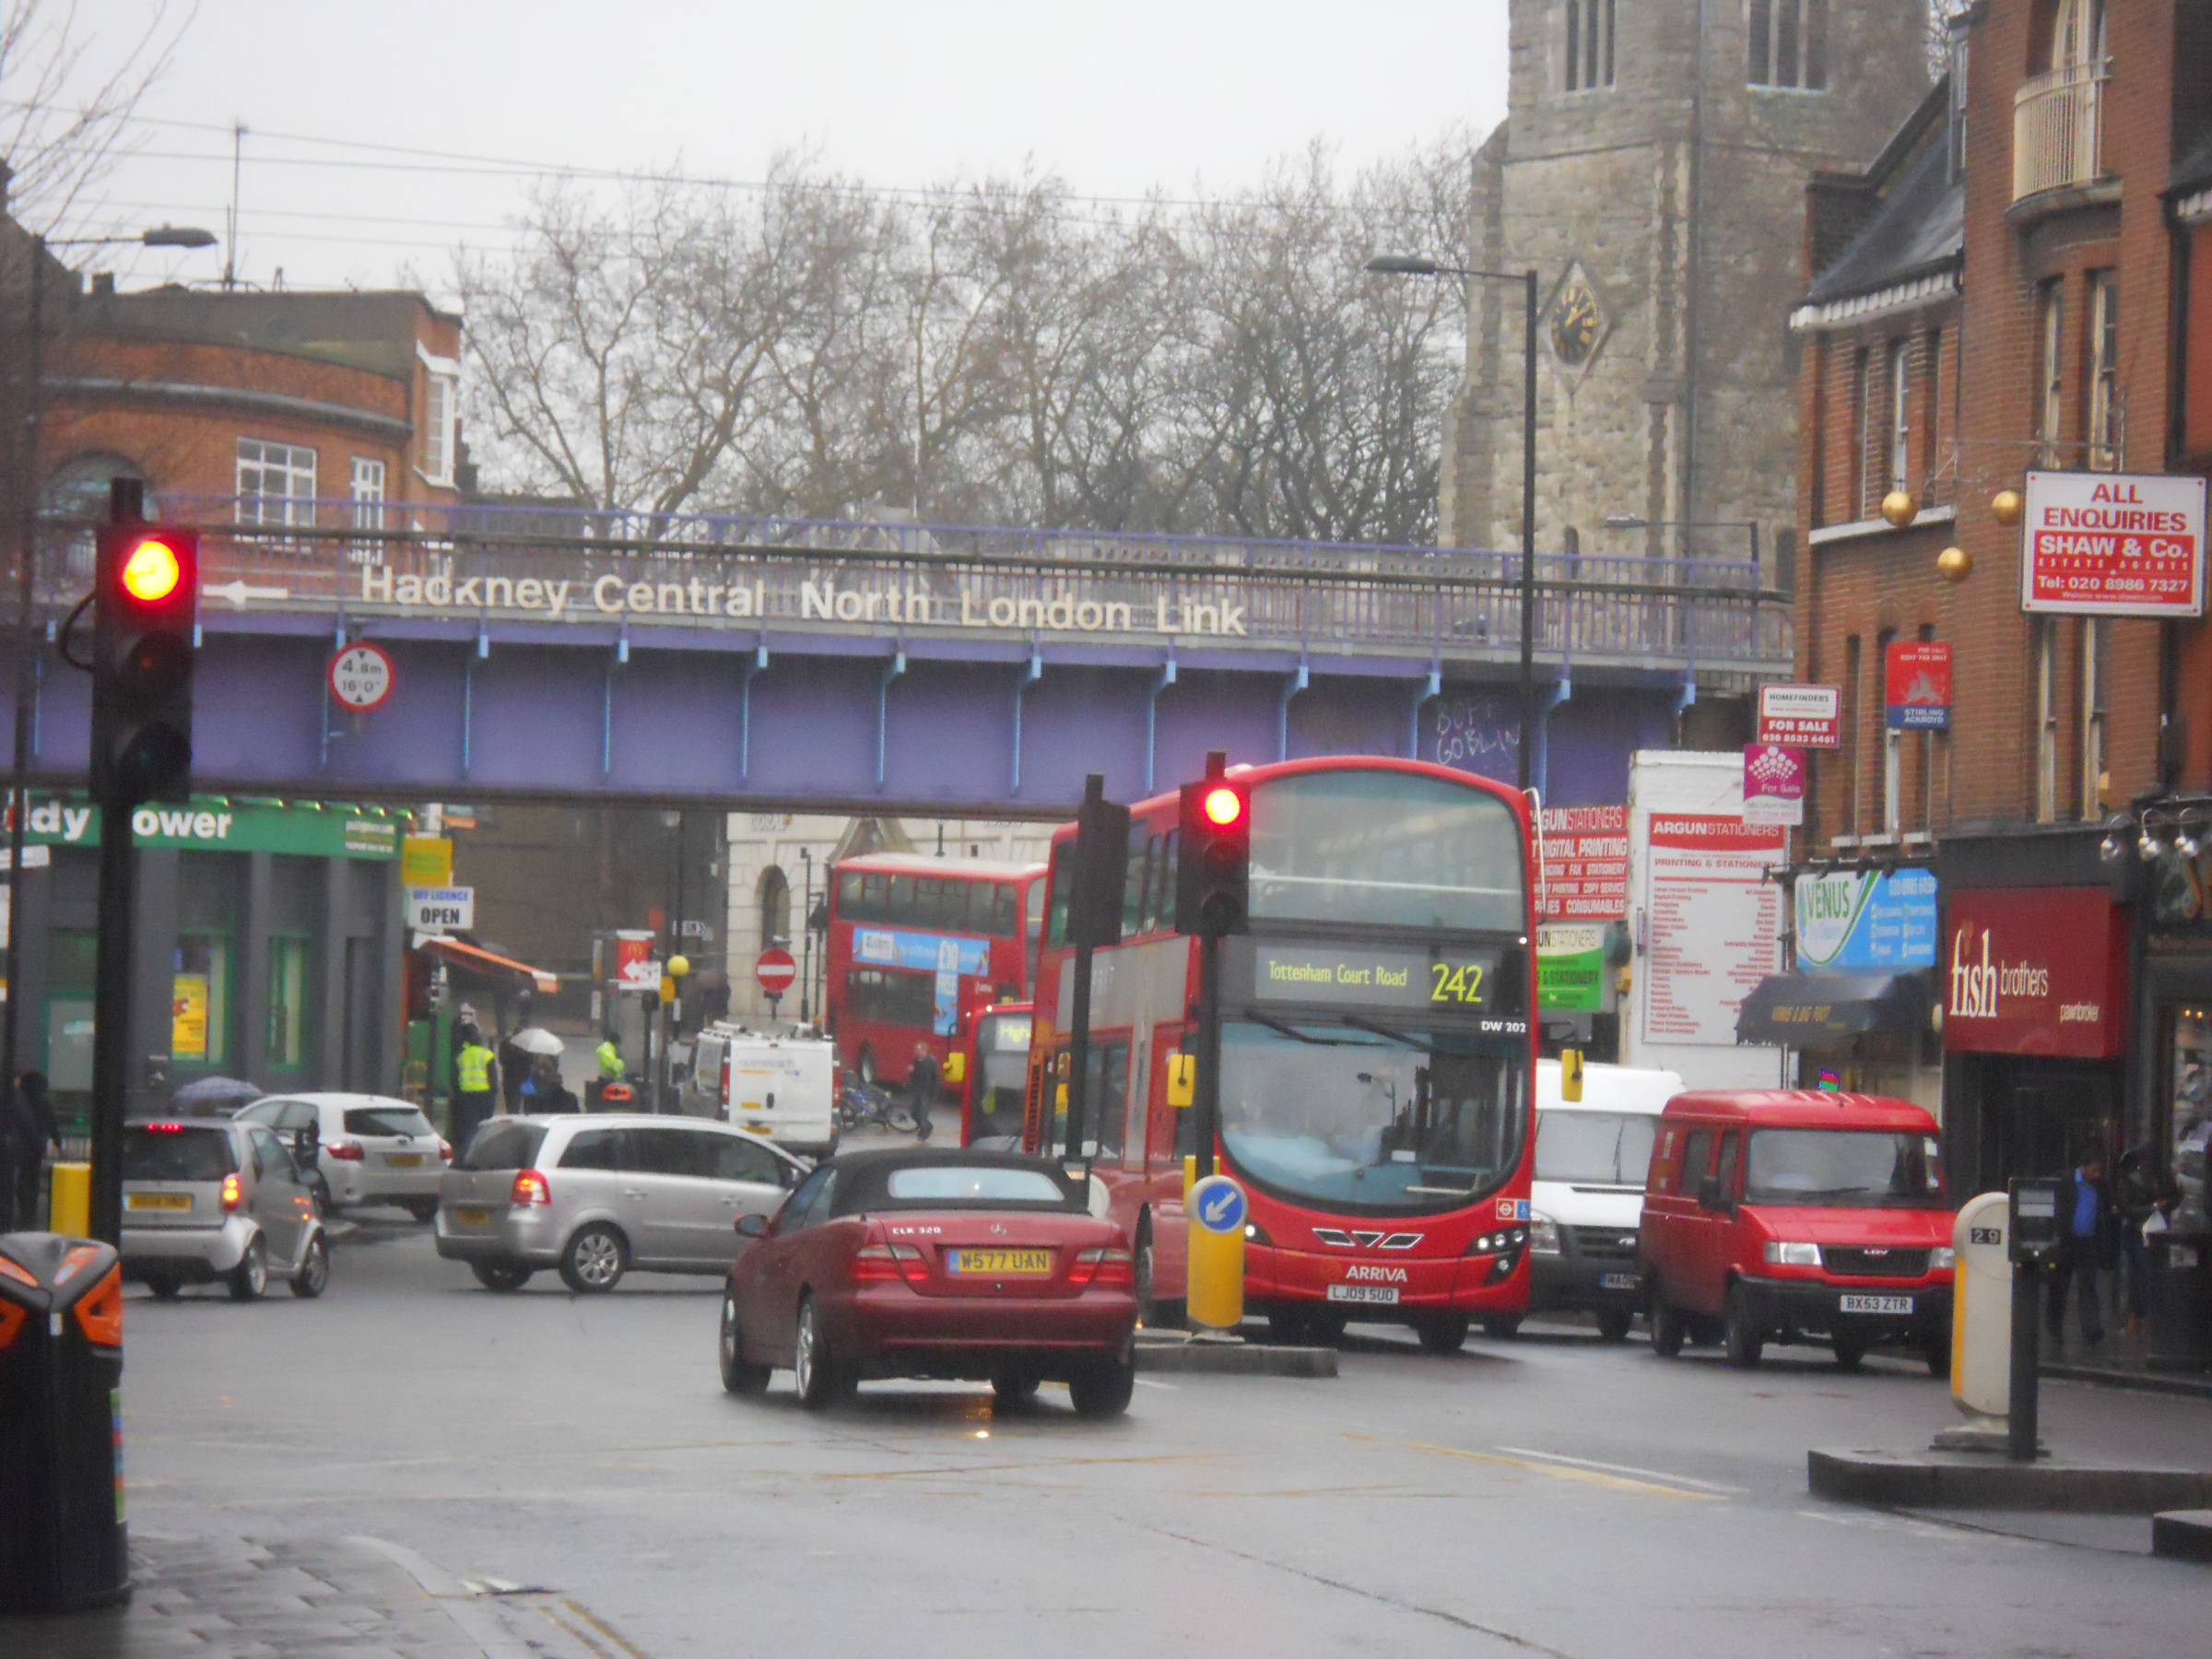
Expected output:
(360, 676)
(2114, 544)
(775, 970)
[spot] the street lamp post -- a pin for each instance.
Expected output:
(1399, 265)
(19, 801)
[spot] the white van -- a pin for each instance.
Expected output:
(783, 1087)
(1592, 1158)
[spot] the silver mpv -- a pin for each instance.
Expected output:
(205, 1199)
(597, 1194)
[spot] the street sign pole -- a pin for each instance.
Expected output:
(1206, 1105)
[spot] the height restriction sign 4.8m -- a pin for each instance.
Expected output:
(2114, 544)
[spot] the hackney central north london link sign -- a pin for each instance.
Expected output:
(2114, 544)
(1070, 604)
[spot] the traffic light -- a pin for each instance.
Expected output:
(1098, 870)
(1213, 868)
(146, 593)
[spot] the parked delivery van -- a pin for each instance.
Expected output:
(1791, 1214)
(1593, 1156)
(783, 1087)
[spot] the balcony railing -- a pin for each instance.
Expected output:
(2057, 130)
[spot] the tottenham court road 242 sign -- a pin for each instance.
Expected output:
(2114, 544)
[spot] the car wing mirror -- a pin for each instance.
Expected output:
(751, 1226)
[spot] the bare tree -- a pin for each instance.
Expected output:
(69, 90)
(625, 352)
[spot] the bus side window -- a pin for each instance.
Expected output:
(1006, 909)
(1166, 883)
(1149, 906)
(850, 907)
(898, 907)
(1056, 929)
(874, 905)
(1133, 889)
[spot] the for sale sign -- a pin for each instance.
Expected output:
(2114, 544)
(1917, 685)
(1801, 716)
(1773, 784)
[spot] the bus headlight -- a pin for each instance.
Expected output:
(1543, 1234)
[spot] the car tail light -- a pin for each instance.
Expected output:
(887, 1263)
(345, 1151)
(233, 1195)
(1102, 1267)
(12, 1270)
(530, 1188)
(164, 1128)
(445, 1151)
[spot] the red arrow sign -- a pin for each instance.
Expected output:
(776, 970)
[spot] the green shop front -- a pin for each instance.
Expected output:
(268, 946)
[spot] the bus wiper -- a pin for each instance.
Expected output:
(1368, 1025)
(1296, 1035)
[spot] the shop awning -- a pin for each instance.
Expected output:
(490, 965)
(1812, 1010)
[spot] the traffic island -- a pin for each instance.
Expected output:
(1230, 1356)
(1966, 1480)
(2183, 1535)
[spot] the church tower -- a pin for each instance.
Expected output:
(1652, 168)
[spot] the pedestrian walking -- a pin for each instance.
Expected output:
(2085, 1223)
(921, 1085)
(2135, 1199)
(514, 1071)
(546, 1092)
(27, 1126)
(474, 1086)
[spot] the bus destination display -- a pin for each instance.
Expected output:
(1375, 979)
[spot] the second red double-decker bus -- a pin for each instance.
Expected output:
(1377, 1055)
(915, 944)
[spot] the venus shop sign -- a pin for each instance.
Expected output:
(2034, 970)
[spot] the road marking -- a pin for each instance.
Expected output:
(1619, 1483)
(1584, 1463)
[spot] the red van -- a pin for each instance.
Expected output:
(1784, 1215)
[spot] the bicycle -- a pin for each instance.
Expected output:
(863, 1105)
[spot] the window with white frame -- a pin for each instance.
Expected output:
(2046, 720)
(2093, 652)
(1587, 26)
(1893, 793)
(2050, 371)
(276, 483)
(438, 413)
(368, 508)
(2104, 372)
(1900, 414)
(1788, 44)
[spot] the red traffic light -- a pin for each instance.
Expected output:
(1222, 806)
(151, 570)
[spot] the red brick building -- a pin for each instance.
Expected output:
(2022, 280)
(277, 398)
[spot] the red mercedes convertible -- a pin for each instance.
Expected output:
(918, 1263)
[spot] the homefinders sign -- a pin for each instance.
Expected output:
(1068, 606)
(2114, 544)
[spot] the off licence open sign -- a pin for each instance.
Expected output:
(2114, 544)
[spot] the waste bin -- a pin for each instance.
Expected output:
(2180, 1301)
(62, 1538)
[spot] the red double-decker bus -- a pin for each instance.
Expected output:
(1377, 1050)
(916, 943)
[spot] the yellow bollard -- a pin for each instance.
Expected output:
(1214, 1292)
(70, 1210)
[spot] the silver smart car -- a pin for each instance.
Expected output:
(597, 1194)
(207, 1200)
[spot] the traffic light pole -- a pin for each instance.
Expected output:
(111, 1016)
(1205, 1099)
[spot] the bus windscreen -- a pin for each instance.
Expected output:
(1385, 849)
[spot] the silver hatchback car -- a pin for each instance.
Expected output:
(210, 1200)
(597, 1194)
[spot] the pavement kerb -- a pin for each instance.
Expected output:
(1966, 1480)
(474, 1621)
(1174, 1351)
(2107, 1376)
(2183, 1535)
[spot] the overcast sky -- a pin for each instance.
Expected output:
(1192, 97)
